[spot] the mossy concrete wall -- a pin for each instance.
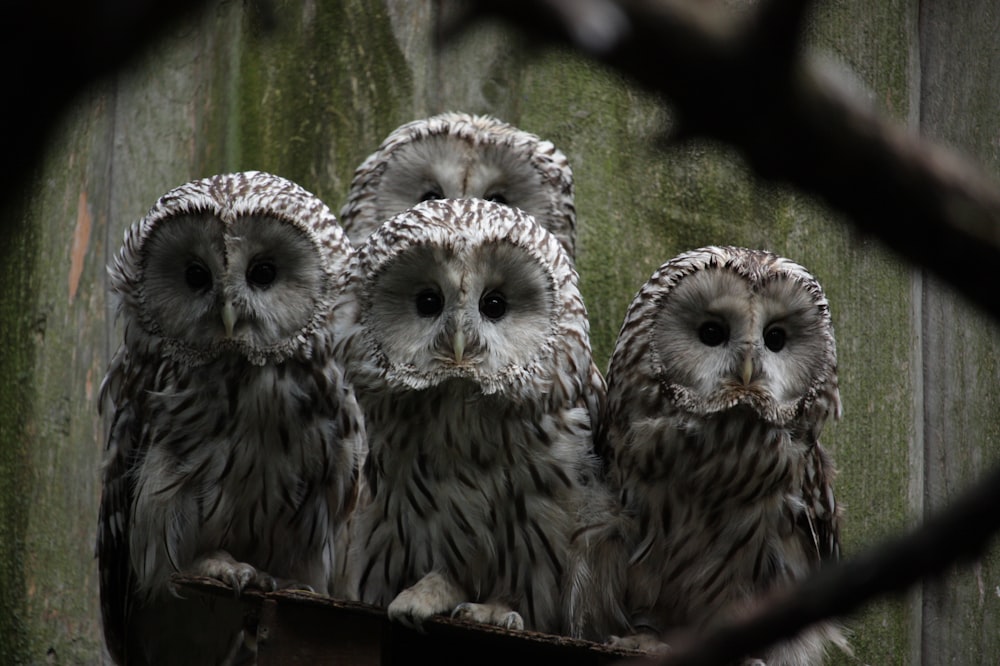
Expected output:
(308, 89)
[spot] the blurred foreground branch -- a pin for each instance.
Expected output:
(748, 85)
(57, 49)
(958, 534)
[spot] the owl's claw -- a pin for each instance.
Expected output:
(495, 614)
(408, 616)
(513, 620)
(223, 567)
(432, 594)
(409, 610)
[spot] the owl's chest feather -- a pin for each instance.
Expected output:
(461, 483)
(722, 518)
(238, 461)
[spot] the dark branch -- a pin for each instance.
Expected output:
(746, 84)
(749, 86)
(54, 51)
(960, 533)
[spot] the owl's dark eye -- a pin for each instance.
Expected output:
(429, 303)
(197, 276)
(262, 273)
(430, 195)
(493, 305)
(774, 338)
(497, 197)
(712, 333)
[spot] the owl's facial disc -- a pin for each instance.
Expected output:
(471, 313)
(252, 285)
(452, 167)
(184, 260)
(724, 343)
(273, 282)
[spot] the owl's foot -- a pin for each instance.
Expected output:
(431, 595)
(643, 641)
(494, 613)
(238, 575)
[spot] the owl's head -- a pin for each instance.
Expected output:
(457, 155)
(243, 262)
(465, 289)
(727, 326)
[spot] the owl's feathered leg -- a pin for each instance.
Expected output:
(433, 594)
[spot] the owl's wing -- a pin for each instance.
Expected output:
(819, 524)
(113, 520)
(595, 394)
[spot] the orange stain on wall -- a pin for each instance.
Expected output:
(81, 241)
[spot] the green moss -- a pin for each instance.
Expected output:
(319, 91)
(57, 284)
(19, 245)
(874, 45)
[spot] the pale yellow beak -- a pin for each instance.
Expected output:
(458, 344)
(228, 318)
(746, 371)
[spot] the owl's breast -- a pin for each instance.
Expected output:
(735, 455)
(246, 460)
(466, 485)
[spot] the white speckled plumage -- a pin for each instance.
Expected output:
(235, 444)
(722, 378)
(465, 335)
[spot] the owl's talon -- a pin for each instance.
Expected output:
(264, 582)
(223, 567)
(407, 615)
(408, 618)
(461, 611)
(491, 613)
(512, 620)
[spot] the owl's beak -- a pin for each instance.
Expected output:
(458, 345)
(746, 370)
(228, 318)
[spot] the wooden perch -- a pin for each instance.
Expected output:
(303, 627)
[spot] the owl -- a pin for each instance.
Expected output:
(234, 445)
(457, 155)
(721, 380)
(464, 334)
